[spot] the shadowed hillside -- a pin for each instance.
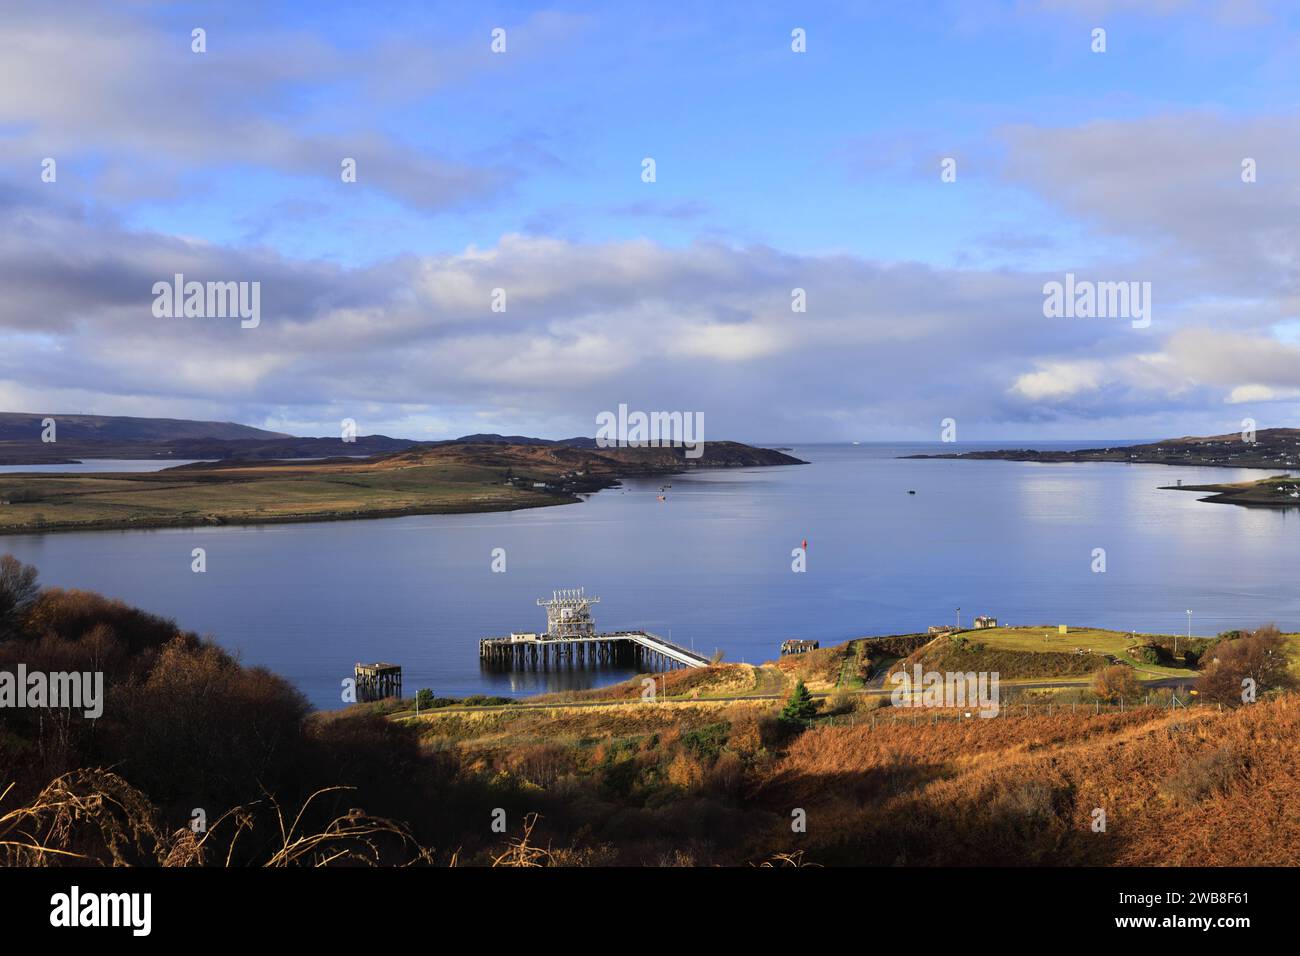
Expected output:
(686, 782)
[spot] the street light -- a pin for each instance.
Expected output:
(959, 619)
(1189, 631)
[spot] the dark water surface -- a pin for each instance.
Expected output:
(711, 565)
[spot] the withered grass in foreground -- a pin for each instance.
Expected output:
(701, 782)
(1201, 788)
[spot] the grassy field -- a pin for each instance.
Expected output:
(253, 494)
(1092, 645)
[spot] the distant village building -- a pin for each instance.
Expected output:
(939, 630)
(798, 647)
(984, 621)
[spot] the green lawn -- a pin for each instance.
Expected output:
(1096, 640)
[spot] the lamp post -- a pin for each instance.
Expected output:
(1189, 631)
(959, 619)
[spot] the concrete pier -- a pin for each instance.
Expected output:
(641, 650)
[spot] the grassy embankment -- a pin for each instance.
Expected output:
(1041, 653)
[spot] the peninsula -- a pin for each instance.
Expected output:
(476, 473)
(1270, 448)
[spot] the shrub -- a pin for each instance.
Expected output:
(727, 775)
(1148, 654)
(746, 737)
(1115, 683)
(685, 772)
(70, 613)
(843, 701)
(706, 742)
(1260, 656)
(18, 589)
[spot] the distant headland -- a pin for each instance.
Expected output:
(1270, 448)
(271, 478)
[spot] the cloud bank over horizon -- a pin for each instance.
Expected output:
(500, 264)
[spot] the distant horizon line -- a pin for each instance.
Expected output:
(1022, 441)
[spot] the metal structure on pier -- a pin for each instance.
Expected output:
(571, 640)
(568, 614)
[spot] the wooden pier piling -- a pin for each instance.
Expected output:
(377, 681)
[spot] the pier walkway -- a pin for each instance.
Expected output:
(640, 649)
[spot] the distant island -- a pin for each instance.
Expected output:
(1272, 448)
(249, 486)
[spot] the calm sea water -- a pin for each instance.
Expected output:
(711, 565)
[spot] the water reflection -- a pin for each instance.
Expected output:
(711, 566)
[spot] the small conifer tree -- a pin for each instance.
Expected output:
(800, 706)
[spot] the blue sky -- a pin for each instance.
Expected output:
(825, 152)
(774, 170)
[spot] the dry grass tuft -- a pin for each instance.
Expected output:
(95, 818)
(86, 818)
